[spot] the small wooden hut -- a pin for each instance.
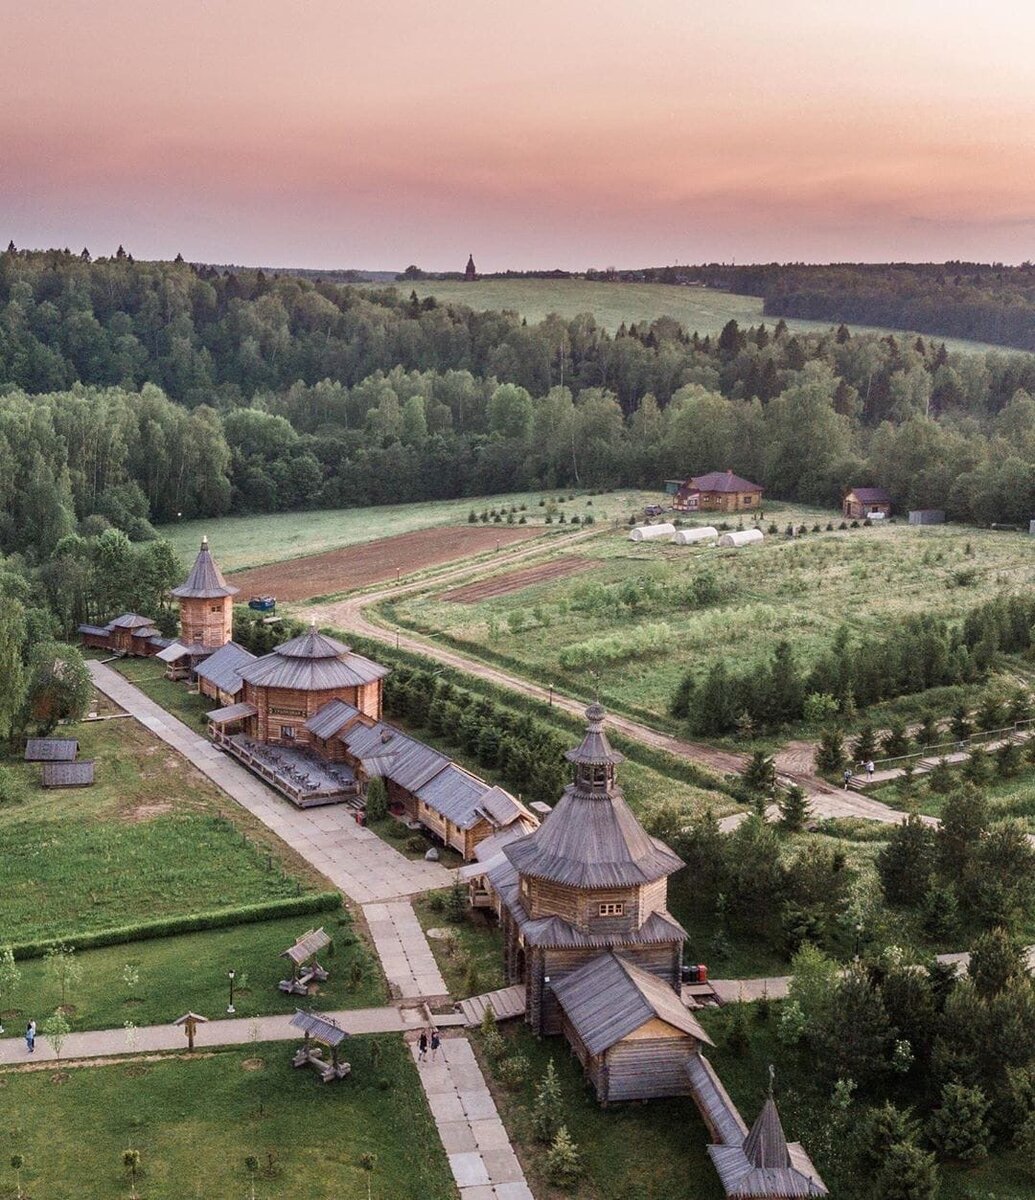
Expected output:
(219, 674)
(862, 502)
(629, 1029)
(68, 774)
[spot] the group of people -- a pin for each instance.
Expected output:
(428, 1037)
(867, 766)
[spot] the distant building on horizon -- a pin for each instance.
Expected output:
(470, 274)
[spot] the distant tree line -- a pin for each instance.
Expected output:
(984, 302)
(139, 392)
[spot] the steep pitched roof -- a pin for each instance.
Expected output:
(131, 621)
(608, 998)
(205, 581)
(592, 838)
(723, 481)
(331, 718)
(766, 1164)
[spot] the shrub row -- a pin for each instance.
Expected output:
(223, 918)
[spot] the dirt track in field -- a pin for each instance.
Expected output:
(514, 581)
(374, 562)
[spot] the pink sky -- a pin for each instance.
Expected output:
(535, 134)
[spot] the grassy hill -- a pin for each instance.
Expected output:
(697, 308)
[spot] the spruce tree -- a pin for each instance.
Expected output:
(995, 959)
(865, 746)
(759, 777)
(794, 809)
(563, 1161)
(830, 753)
(907, 1173)
(548, 1110)
(905, 865)
(959, 1127)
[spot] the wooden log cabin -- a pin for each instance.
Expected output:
(862, 502)
(630, 1031)
(206, 616)
(718, 491)
(129, 635)
(219, 675)
(589, 879)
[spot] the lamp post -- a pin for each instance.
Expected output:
(551, 695)
(858, 939)
(230, 1010)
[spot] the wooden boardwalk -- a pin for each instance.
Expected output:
(506, 1003)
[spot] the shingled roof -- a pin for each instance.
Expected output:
(723, 481)
(592, 838)
(222, 668)
(312, 662)
(609, 997)
(870, 495)
(766, 1164)
(205, 581)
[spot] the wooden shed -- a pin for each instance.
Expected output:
(862, 502)
(629, 1029)
(51, 750)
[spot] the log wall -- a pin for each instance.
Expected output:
(206, 623)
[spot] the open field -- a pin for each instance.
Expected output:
(698, 308)
(189, 972)
(516, 581)
(195, 1122)
(149, 840)
(591, 631)
(377, 562)
(243, 542)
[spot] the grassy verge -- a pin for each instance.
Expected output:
(149, 675)
(153, 838)
(154, 982)
(413, 843)
(475, 944)
(195, 1122)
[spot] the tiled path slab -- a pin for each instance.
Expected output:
(481, 1158)
(405, 955)
(354, 859)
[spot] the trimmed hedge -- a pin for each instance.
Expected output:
(245, 914)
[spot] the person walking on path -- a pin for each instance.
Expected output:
(848, 777)
(30, 1036)
(436, 1041)
(869, 770)
(422, 1046)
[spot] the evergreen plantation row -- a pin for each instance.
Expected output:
(911, 655)
(138, 392)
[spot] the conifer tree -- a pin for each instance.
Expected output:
(905, 865)
(907, 1173)
(547, 1111)
(959, 1127)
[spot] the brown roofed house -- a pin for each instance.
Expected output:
(718, 491)
(862, 502)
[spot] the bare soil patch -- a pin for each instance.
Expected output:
(375, 562)
(145, 812)
(253, 1064)
(514, 581)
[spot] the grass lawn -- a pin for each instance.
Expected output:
(152, 838)
(240, 542)
(801, 590)
(174, 696)
(189, 971)
(697, 308)
(1006, 797)
(194, 1122)
(476, 942)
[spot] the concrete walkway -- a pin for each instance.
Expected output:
(237, 1031)
(483, 1163)
(354, 859)
(405, 955)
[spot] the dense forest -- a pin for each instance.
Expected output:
(132, 393)
(986, 302)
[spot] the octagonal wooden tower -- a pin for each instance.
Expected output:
(206, 604)
(589, 879)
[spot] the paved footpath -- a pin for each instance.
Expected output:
(403, 949)
(481, 1158)
(237, 1031)
(354, 859)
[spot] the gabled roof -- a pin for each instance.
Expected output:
(232, 712)
(174, 652)
(94, 630)
(312, 662)
(765, 1164)
(205, 581)
(453, 793)
(870, 495)
(310, 943)
(397, 756)
(722, 481)
(608, 998)
(331, 718)
(502, 808)
(222, 668)
(319, 1028)
(51, 749)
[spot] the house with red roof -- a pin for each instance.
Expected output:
(718, 491)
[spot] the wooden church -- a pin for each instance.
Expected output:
(206, 616)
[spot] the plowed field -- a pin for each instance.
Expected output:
(374, 562)
(514, 581)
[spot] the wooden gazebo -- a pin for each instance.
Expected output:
(324, 1032)
(304, 971)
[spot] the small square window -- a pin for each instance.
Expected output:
(287, 731)
(612, 909)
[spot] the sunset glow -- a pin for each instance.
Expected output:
(535, 134)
